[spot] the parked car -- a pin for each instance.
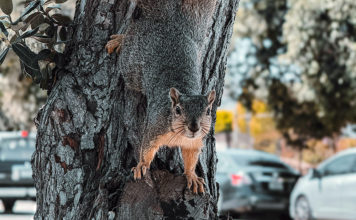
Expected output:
(327, 192)
(253, 181)
(16, 149)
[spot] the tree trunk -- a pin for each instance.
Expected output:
(89, 129)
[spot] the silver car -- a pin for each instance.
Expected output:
(328, 192)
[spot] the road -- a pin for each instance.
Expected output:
(23, 210)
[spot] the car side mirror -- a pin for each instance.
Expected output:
(315, 173)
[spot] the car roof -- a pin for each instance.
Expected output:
(339, 154)
(250, 153)
(349, 150)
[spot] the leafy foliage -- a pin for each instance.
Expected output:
(257, 122)
(302, 61)
(41, 22)
(224, 120)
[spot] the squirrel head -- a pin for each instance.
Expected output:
(191, 114)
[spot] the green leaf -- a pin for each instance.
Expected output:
(59, 60)
(45, 71)
(3, 29)
(44, 39)
(60, 1)
(28, 57)
(32, 17)
(29, 33)
(61, 42)
(34, 73)
(24, 3)
(38, 21)
(13, 38)
(3, 55)
(63, 34)
(18, 26)
(6, 6)
(24, 53)
(44, 54)
(50, 8)
(62, 19)
(51, 31)
(27, 10)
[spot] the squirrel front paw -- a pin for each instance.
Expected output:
(140, 170)
(196, 182)
(115, 43)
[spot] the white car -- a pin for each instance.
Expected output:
(328, 192)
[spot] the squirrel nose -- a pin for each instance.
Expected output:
(194, 127)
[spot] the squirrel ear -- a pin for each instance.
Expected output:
(174, 94)
(211, 97)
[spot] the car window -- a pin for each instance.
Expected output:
(265, 163)
(18, 149)
(354, 166)
(225, 163)
(342, 165)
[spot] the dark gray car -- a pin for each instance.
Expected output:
(253, 181)
(16, 183)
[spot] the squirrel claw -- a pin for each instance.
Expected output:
(196, 182)
(139, 171)
(115, 43)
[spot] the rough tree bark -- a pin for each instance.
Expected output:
(87, 130)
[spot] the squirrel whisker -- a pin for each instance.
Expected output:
(205, 131)
(179, 128)
(175, 135)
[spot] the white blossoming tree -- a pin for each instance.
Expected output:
(302, 60)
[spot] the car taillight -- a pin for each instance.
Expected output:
(24, 134)
(240, 179)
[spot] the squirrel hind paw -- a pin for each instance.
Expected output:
(115, 43)
(195, 183)
(139, 171)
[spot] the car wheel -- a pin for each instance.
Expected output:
(302, 209)
(8, 205)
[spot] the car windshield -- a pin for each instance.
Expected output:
(18, 149)
(227, 161)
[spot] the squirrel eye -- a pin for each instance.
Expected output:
(208, 111)
(178, 111)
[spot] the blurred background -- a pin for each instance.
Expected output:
(286, 128)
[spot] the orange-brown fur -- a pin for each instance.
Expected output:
(115, 43)
(190, 152)
(180, 135)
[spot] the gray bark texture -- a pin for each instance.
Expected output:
(90, 129)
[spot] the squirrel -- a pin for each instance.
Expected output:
(160, 55)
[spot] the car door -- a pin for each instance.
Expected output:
(348, 193)
(329, 189)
